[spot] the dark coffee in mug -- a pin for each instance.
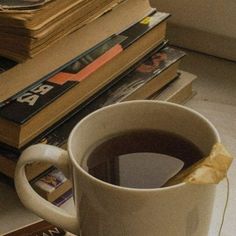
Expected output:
(135, 158)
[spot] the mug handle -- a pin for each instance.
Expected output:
(30, 199)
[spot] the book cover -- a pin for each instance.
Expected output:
(40, 228)
(59, 82)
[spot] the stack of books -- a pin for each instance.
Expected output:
(101, 56)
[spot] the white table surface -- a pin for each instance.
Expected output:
(216, 99)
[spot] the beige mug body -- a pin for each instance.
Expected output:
(103, 209)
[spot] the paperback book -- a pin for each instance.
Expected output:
(51, 184)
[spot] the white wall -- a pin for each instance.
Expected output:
(203, 25)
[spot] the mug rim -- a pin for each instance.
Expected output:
(109, 185)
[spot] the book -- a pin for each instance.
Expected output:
(51, 184)
(180, 90)
(25, 33)
(129, 83)
(142, 37)
(25, 75)
(38, 228)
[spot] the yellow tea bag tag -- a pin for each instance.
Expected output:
(213, 168)
(210, 170)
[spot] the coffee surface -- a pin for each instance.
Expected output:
(140, 158)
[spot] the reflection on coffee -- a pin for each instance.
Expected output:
(140, 158)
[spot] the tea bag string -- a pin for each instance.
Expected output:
(225, 207)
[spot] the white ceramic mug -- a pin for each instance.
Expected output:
(104, 209)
